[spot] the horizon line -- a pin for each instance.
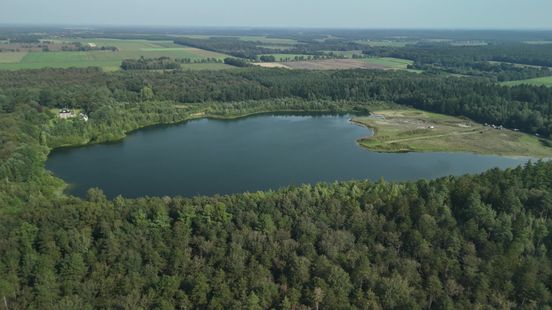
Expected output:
(236, 27)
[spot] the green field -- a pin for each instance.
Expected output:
(538, 42)
(108, 60)
(542, 81)
(127, 44)
(268, 40)
(261, 39)
(286, 57)
(392, 63)
(384, 43)
(410, 130)
(11, 57)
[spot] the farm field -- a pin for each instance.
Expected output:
(538, 42)
(542, 81)
(410, 130)
(341, 64)
(271, 65)
(388, 62)
(384, 43)
(261, 39)
(11, 57)
(333, 64)
(108, 60)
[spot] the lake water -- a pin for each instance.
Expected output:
(205, 157)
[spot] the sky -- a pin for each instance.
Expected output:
(448, 14)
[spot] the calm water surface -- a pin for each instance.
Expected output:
(256, 153)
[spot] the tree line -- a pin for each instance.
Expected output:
(528, 108)
(162, 63)
(512, 60)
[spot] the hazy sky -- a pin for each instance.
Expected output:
(282, 13)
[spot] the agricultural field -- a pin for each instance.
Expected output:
(381, 63)
(542, 81)
(384, 43)
(410, 130)
(277, 47)
(271, 65)
(11, 57)
(261, 39)
(333, 64)
(469, 43)
(388, 62)
(538, 42)
(108, 60)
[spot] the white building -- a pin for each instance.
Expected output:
(65, 114)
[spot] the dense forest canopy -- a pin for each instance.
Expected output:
(512, 61)
(528, 108)
(462, 242)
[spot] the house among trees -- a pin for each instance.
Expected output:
(91, 45)
(65, 113)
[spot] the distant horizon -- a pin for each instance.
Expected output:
(237, 27)
(347, 14)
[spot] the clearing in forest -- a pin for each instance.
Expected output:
(410, 130)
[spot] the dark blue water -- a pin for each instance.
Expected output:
(256, 153)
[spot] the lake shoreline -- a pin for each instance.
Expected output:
(410, 130)
(259, 153)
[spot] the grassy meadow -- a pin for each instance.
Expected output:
(410, 130)
(261, 39)
(391, 63)
(542, 81)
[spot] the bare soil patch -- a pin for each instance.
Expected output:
(271, 65)
(333, 64)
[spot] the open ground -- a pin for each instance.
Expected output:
(410, 130)
(381, 63)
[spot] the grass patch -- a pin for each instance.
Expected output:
(391, 63)
(260, 39)
(410, 130)
(11, 57)
(538, 42)
(384, 43)
(542, 81)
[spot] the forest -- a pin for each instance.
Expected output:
(462, 242)
(161, 63)
(474, 241)
(503, 61)
(524, 107)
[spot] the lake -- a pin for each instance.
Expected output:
(206, 157)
